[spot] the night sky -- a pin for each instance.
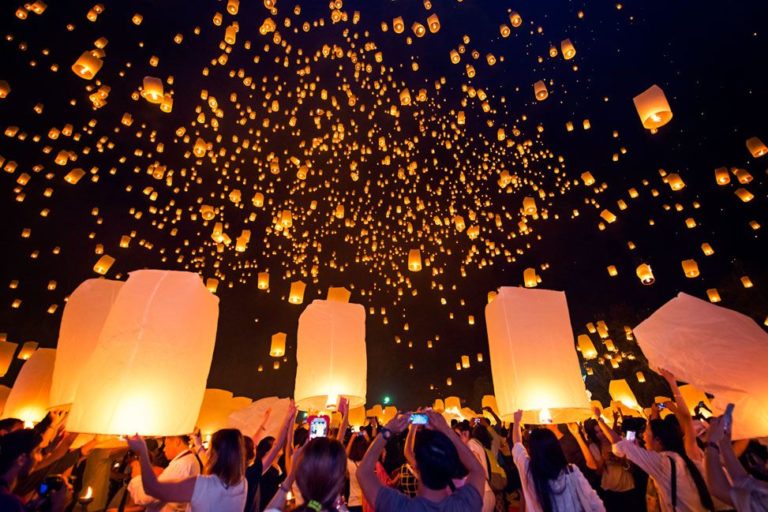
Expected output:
(707, 57)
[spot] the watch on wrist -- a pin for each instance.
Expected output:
(385, 433)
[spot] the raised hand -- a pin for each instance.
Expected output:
(397, 424)
(517, 417)
(136, 444)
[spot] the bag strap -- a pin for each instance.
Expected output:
(674, 483)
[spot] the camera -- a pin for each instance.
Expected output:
(51, 484)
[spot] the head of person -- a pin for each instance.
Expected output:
(436, 459)
(19, 451)
(250, 450)
(10, 425)
(175, 445)
(547, 462)
(594, 434)
(300, 437)
(463, 430)
(358, 448)
(481, 433)
(264, 446)
(321, 473)
(226, 459)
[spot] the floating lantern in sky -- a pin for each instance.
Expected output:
(330, 355)
(621, 392)
(166, 321)
(653, 108)
(277, 348)
(215, 407)
(262, 282)
(296, 294)
(690, 268)
(84, 315)
(713, 295)
(530, 279)
(540, 90)
(515, 19)
(414, 260)
(523, 324)
(645, 274)
(338, 294)
(569, 51)
(7, 351)
(87, 65)
(27, 349)
(721, 176)
(675, 182)
(152, 89)
(5, 89)
(433, 22)
(398, 25)
(29, 396)
(756, 147)
(586, 347)
(104, 264)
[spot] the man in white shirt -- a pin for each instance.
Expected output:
(183, 464)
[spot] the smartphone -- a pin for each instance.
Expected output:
(728, 417)
(476, 421)
(661, 406)
(631, 435)
(318, 426)
(418, 418)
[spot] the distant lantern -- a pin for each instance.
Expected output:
(455, 58)
(721, 176)
(414, 260)
(690, 268)
(85, 313)
(152, 89)
(756, 147)
(504, 30)
(540, 90)
(567, 48)
(29, 398)
(640, 377)
(675, 182)
(530, 279)
(277, 348)
(608, 216)
(207, 212)
(166, 322)
(5, 89)
(338, 294)
(7, 351)
(465, 361)
(653, 108)
(522, 325)
(418, 29)
(713, 295)
(744, 194)
(621, 392)
(398, 25)
(331, 355)
(87, 65)
(296, 294)
(233, 6)
(586, 347)
(742, 176)
(405, 97)
(27, 349)
(529, 206)
(645, 274)
(433, 22)
(74, 176)
(707, 249)
(515, 19)
(587, 178)
(212, 284)
(263, 281)
(612, 271)
(104, 264)
(479, 357)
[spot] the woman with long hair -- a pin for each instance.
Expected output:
(549, 483)
(319, 469)
(221, 487)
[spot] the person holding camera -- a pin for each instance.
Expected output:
(19, 451)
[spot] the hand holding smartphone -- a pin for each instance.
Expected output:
(418, 418)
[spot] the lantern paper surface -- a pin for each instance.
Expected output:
(249, 419)
(28, 399)
(82, 321)
(331, 355)
(719, 351)
(214, 411)
(4, 392)
(149, 369)
(7, 351)
(523, 325)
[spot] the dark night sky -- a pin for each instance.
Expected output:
(707, 57)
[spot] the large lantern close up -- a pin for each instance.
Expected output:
(29, 396)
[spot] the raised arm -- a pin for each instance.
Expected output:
(278, 500)
(262, 430)
(717, 480)
(683, 416)
(344, 410)
(271, 455)
(609, 433)
(366, 470)
(180, 491)
(492, 413)
(476, 477)
(573, 428)
(517, 428)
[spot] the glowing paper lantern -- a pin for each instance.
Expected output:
(339, 294)
(675, 182)
(331, 355)
(103, 265)
(621, 392)
(27, 349)
(7, 351)
(296, 294)
(721, 176)
(645, 274)
(586, 347)
(414, 260)
(540, 90)
(28, 399)
(719, 351)
(357, 416)
(569, 51)
(522, 325)
(653, 108)
(249, 418)
(690, 268)
(277, 349)
(84, 315)
(530, 279)
(433, 22)
(4, 392)
(155, 347)
(152, 89)
(756, 147)
(215, 408)
(398, 25)
(263, 281)
(87, 65)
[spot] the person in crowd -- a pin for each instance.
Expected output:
(465, 432)
(319, 470)
(183, 463)
(405, 474)
(221, 487)
(727, 477)
(550, 483)
(617, 483)
(9, 425)
(437, 452)
(356, 449)
(19, 452)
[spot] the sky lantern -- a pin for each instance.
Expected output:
(529, 206)
(156, 346)
(339, 294)
(653, 108)
(233, 6)
(756, 147)
(87, 65)
(27, 349)
(713, 295)
(645, 274)
(587, 178)
(84, 315)
(433, 22)
(263, 281)
(515, 19)
(414, 260)
(5, 89)
(29, 396)
(721, 176)
(675, 182)
(103, 265)
(296, 294)
(522, 325)
(418, 29)
(621, 392)
(586, 347)
(465, 361)
(567, 48)
(152, 89)
(690, 268)
(398, 25)
(215, 408)
(540, 90)
(330, 355)
(7, 351)
(744, 194)
(530, 279)
(277, 348)
(455, 57)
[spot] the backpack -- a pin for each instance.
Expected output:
(497, 477)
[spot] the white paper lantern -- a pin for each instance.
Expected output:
(214, 410)
(149, 369)
(7, 351)
(331, 355)
(250, 418)
(28, 399)
(719, 351)
(533, 359)
(84, 316)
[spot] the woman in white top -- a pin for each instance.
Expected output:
(549, 483)
(221, 487)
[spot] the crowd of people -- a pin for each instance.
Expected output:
(417, 462)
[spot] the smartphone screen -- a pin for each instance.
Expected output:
(631, 435)
(728, 417)
(418, 418)
(661, 406)
(318, 427)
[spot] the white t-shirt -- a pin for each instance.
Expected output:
(210, 495)
(355, 493)
(183, 466)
